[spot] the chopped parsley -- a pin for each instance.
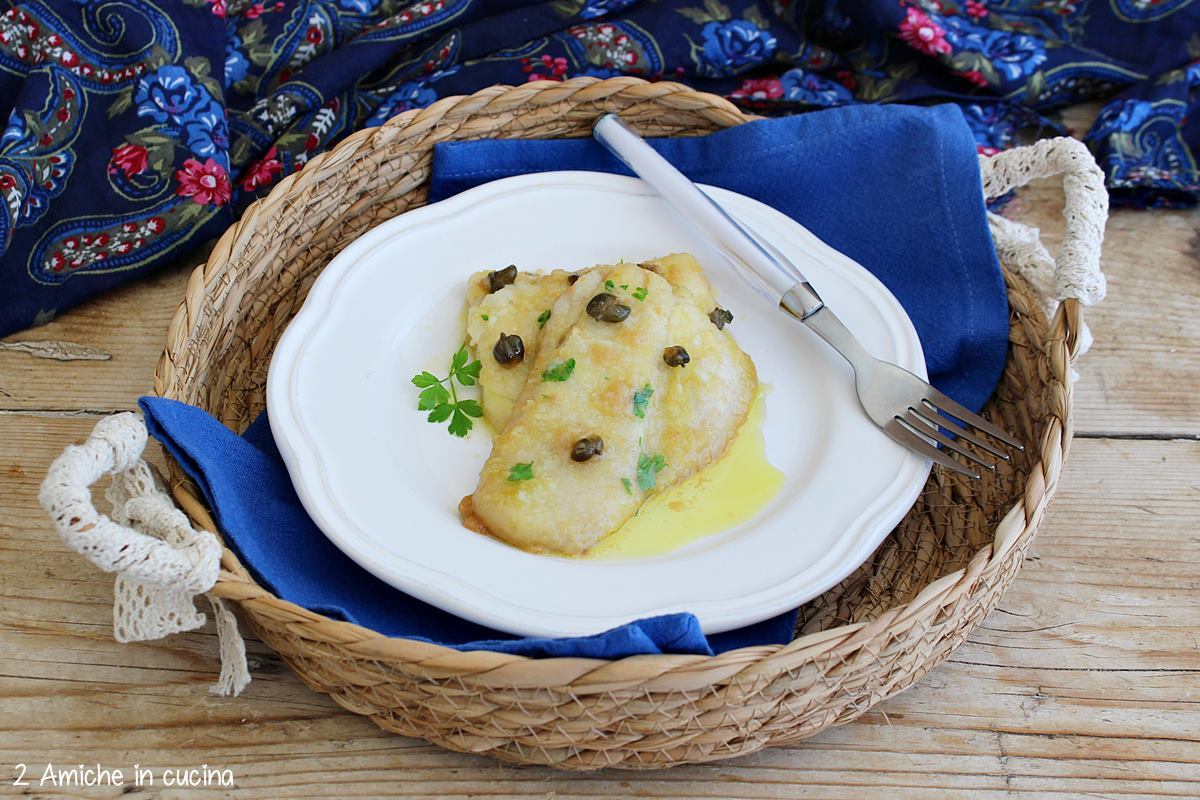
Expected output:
(647, 471)
(609, 285)
(521, 472)
(641, 399)
(640, 293)
(628, 485)
(440, 397)
(483, 317)
(624, 285)
(559, 372)
(543, 318)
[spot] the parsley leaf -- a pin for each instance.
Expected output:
(432, 397)
(468, 374)
(559, 372)
(460, 423)
(641, 399)
(543, 318)
(648, 469)
(440, 397)
(465, 373)
(609, 285)
(628, 486)
(640, 293)
(441, 412)
(484, 317)
(624, 285)
(423, 379)
(521, 472)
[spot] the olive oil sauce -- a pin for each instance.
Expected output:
(723, 495)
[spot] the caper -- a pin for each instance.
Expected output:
(509, 349)
(571, 279)
(720, 317)
(587, 447)
(676, 356)
(500, 278)
(605, 308)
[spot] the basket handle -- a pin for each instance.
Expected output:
(160, 560)
(1072, 278)
(114, 448)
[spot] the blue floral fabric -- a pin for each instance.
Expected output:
(133, 130)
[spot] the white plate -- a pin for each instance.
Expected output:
(384, 485)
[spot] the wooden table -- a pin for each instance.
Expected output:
(1084, 683)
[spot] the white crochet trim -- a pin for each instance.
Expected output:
(1076, 271)
(163, 563)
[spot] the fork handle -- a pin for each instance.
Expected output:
(766, 269)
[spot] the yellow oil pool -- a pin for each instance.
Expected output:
(725, 494)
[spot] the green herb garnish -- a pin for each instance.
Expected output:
(624, 285)
(483, 317)
(441, 402)
(609, 285)
(640, 293)
(467, 373)
(648, 469)
(628, 486)
(641, 399)
(559, 372)
(521, 472)
(543, 318)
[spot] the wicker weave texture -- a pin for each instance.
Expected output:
(935, 577)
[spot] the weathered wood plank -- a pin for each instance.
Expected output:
(1140, 376)
(129, 325)
(1085, 683)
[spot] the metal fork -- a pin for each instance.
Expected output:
(900, 404)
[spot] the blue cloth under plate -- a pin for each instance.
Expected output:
(845, 173)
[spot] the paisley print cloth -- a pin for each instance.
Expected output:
(133, 130)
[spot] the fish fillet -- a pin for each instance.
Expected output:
(684, 419)
(515, 309)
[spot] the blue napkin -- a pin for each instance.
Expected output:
(896, 188)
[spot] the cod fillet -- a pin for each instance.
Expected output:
(585, 378)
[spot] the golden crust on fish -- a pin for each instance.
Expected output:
(684, 419)
(706, 402)
(567, 506)
(513, 310)
(686, 277)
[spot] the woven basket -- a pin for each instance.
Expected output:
(918, 597)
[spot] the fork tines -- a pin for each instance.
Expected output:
(938, 413)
